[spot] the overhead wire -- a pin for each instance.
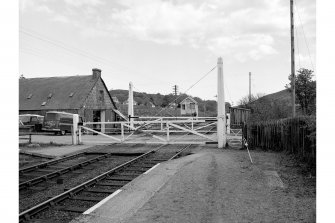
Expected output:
(303, 31)
(296, 34)
(206, 74)
(77, 51)
(44, 56)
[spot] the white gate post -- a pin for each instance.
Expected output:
(79, 135)
(122, 132)
(161, 119)
(167, 132)
(103, 119)
(131, 104)
(75, 129)
(221, 127)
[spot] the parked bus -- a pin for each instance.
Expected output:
(58, 122)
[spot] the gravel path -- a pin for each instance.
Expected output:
(222, 186)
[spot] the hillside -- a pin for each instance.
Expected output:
(273, 106)
(283, 97)
(145, 101)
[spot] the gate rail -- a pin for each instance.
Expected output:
(156, 128)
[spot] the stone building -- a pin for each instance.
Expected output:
(87, 96)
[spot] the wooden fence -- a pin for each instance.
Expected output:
(295, 135)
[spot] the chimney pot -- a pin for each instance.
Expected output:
(96, 73)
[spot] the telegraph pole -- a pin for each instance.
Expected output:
(292, 58)
(249, 87)
(175, 90)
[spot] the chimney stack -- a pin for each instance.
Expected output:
(96, 73)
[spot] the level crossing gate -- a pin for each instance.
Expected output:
(158, 130)
(165, 130)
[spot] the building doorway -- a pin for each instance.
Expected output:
(96, 118)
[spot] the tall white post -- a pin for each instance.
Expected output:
(122, 132)
(131, 104)
(221, 126)
(161, 124)
(167, 131)
(75, 129)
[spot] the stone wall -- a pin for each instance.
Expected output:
(94, 101)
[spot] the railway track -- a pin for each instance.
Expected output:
(29, 159)
(34, 175)
(78, 199)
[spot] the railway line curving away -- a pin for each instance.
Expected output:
(77, 199)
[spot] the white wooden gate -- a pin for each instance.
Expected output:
(164, 130)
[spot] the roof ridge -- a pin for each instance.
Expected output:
(55, 77)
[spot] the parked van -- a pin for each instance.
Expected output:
(58, 122)
(31, 121)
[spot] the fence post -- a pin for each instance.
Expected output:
(75, 129)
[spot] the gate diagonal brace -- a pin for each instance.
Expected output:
(154, 136)
(100, 133)
(191, 131)
(214, 123)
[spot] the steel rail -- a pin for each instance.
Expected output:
(57, 173)
(180, 151)
(25, 215)
(51, 162)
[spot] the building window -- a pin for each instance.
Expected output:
(183, 106)
(101, 96)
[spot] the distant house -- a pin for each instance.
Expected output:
(126, 102)
(87, 96)
(189, 106)
(116, 101)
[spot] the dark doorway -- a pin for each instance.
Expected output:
(96, 118)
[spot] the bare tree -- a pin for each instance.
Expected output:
(244, 101)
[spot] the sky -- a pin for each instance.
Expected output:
(160, 43)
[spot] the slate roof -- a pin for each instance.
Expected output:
(60, 88)
(189, 98)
